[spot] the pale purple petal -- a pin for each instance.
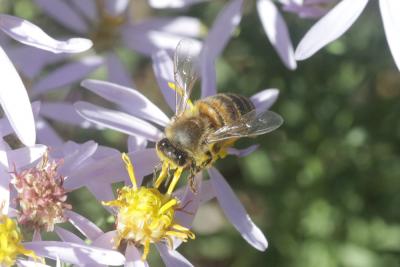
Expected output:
(85, 226)
(215, 42)
(133, 257)
(12, 213)
(173, 3)
(163, 68)
(4, 159)
(106, 240)
(68, 236)
(104, 152)
(15, 102)
(129, 99)
(67, 74)
(242, 152)
(208, 75)
(63, 112)
(207, 191)
(118, 121)
(87, 7)
(306, 11)
(32, 263)
(150, 42)
(4, 191)
(5, 126)
(116, 7)
(391, 22)
(36, 235)
(62, 12)
(136, 143)
(265, 99)
(112, 169)
(117, 73)
(223, 27)
(47, 135)
(72, 161)
(184, 26)
(190, 201)
(277, 32)
(75, 253)
(30, 60)
(330, 27)
(172, 258)
(30, 34)
(235, 211)
(101, 190)
(24, 156)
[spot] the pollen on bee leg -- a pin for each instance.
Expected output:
(175, 180)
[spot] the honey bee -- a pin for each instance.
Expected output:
(201, 133)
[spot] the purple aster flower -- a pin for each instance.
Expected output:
(64, 112)
(41, 179)
(141, 110)
(131, 124)
(15, 102)
(272, 21)
(339, 19)
(14, 250)
(109, 25)
(144, 216)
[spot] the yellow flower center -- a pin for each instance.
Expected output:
(105, 34)
(10, 242)
(145, 215)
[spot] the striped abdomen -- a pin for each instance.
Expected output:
(224, 109)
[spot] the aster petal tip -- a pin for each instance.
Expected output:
(235, 211)
(391, 22)
(15, 102)
(30, 34)
(330, 27)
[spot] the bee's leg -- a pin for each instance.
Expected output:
(223, 152)
(163, 175)
(192, 182)
(208, 160)
(175, 179)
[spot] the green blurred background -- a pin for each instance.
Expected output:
(324, 187)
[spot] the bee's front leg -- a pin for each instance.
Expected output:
(163, 174)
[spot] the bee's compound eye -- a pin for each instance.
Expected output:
(163, 143)
(181, 158)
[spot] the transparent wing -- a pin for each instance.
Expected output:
(251, 124)
(185, 72)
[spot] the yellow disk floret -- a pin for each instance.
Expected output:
(145, 215)
(10, 242)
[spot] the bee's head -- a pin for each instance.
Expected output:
(166, 150)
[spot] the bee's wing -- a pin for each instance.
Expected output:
(250, 124)
(185, 72)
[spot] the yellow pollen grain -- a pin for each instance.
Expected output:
(10, 242)
(145, 215)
